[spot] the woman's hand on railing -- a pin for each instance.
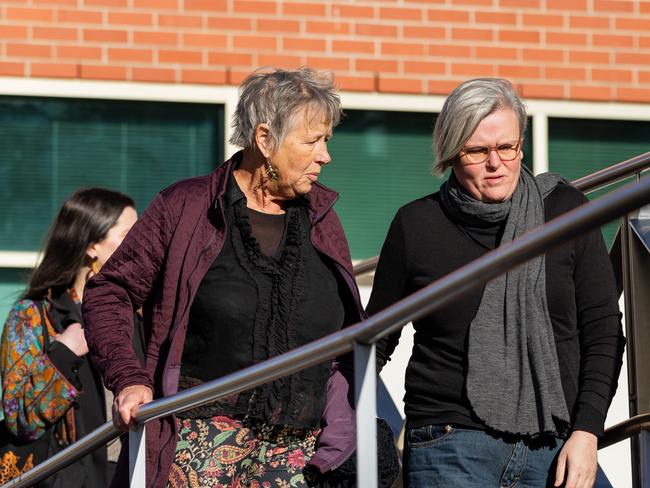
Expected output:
(578, 461)
(127, 402)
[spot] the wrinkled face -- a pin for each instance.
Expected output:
(494, 180)
(301, 156)
(104, 248)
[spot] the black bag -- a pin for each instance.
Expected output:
(17, 455)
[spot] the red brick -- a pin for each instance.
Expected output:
(473, 69)
(128, 18)
(546, 55)
(356, 83)
(279, 61)
(353, 47)
(302, 44)
(644, 76)
(206, 5)
(39, 14)
(398, 13)
(255, 42)
(103, 72)
(566, 38)
(543, 20)
(534, 90)
(253, 7)
(181, 57)
(353, 11)
(614, 5)
(58, 33)
(105, 35)
(334, 64)
(590, 92)
(645, 7)
(403, 48)
(400, 85)
(155, 38)
(449, 51)
(156, 4)
(424, 32)
(303, 9)
(328, 27)
(591, 57)
(29, 50)
(442, 87)
(589, 22)
(208, 77)
(236, 77)
(106, 3)
(124, 54)
(79, 52)
(633, 94)
(12, 69)
(58, 2)
(54, 70)
(486, 3)
(644, 42)
(612, 75)
(159, 75)
(425, 67)
(611, 41)
(230, 24)
(632, 58)
(179, 20)
(13, 32)
(519, 71)
(536, 4)
(375, 30)
(466, 34)
(519, 36)
(230, 58)
(567, 4)
(565, 73)
(494, 52)
(80, 16)
(376, 65)
(443, 15)
(205, 40)
(503, 18)
(630, 23)
(273, 25)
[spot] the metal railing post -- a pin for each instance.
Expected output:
(365, 387)
(644, 451)
(137, 457)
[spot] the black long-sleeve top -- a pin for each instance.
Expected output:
(423, 245)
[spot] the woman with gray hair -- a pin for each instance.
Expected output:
(511, 383)
(231, 269)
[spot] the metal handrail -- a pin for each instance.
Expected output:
(625, 430)
(422, 302)
(587, 184)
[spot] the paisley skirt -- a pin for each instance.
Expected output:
(223, 452)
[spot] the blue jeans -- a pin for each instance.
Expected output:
(448, 456)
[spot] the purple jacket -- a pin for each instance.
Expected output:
(159, 267)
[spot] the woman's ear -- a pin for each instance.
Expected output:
(263, 139)
(91, 252)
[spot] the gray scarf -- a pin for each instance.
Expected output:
(513, 377)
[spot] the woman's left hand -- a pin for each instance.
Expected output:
(578, 461)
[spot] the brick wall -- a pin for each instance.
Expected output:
(560, 49)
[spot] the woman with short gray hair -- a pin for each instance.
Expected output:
(234, 268)
(510, 384)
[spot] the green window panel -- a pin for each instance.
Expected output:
(380, 161)
(578, 147)
(50, 147)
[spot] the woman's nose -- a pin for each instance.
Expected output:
(493, 160)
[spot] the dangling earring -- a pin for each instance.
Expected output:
(271, 172)
(95, 266)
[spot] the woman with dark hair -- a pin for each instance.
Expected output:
(49, 384)
(510, 384)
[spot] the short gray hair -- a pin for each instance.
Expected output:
(463, 111)
(275, 97)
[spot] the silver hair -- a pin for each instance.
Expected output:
(276, 97)
(463, 111)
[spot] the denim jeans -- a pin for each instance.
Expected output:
(449, 456)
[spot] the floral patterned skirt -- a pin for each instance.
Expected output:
(222, 452)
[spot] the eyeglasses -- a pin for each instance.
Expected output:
(480, 154)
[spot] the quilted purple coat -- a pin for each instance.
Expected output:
(159, 267)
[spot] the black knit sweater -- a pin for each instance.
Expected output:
(423, 245)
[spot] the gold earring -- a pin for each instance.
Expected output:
(95, 265)
(271, 172)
